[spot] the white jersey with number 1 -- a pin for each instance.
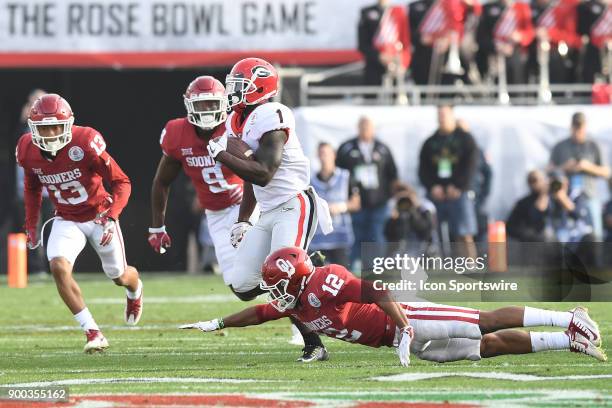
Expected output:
(293, 174)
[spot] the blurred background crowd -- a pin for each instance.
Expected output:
(389, 173)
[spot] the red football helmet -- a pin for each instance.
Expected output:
(51, 110)
(284, 275)
(205, 102)
(251, 81)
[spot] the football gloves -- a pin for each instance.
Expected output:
(207, 326)
(159, 239)
(403, 350)
(217, 145)
(238, 231)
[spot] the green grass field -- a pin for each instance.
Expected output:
(41, 345)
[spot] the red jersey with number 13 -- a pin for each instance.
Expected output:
(73, 178)
(217, 186)
(331, 304)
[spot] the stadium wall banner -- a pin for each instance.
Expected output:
(515, 139)
(146, 33)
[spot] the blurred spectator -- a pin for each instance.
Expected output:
(412, 224)
(373, 171)
(526, 222)
(437, 29)
(482, 188)
(504, 33)
(580, 158)
(556, 39)
(568, 212)
(367, 29)
(594, 25)
(37, 260)
(333, 185)
(447, 165)
(607, 216)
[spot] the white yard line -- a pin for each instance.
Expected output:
(486, 375)
(168, 299)
(148, 380)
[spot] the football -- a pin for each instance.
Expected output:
(239, 148)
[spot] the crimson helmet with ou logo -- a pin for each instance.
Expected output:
(205, 102)
(251, 81)
(51, 110)
(284, 273)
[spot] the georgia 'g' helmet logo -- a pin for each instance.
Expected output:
(261, 72)
(285, 266)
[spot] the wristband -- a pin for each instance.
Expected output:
(221, 323)
(157, 230)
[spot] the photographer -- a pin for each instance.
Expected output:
(568, 217)
(412, 224)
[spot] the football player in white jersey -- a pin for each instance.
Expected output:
(277, 179)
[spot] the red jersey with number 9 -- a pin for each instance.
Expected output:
(217, 186)
(331, 304)
(73, 178)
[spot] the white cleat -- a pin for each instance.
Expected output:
(583, 324)
(580, 344)
(96, 342)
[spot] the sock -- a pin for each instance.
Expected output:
(541, 317)
(86, 320)
(542, 341)
(312, 339)
(135, 295)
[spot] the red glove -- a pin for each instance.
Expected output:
(108, 227)
(32, 239)
(159, 239)
(107, 223)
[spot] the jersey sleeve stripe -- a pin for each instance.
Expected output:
(300, 231)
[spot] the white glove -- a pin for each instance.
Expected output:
(238, 231)
(208, 326)
(403, 350)
(217, 145)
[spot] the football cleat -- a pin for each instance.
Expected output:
(581, 344)
(96, 342)
(317, 258)
(583, 324)
(313, 353)
(133, 309)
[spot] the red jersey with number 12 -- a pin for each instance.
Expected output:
(73, 178)
(217, 186)
(331, 304)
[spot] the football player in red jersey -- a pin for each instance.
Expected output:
(332, 301)
(183, 142)
(71, 162)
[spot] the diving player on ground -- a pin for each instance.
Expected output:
(332, 301)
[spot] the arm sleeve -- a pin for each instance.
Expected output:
(32, 197)
(121, 186)
(267, 312)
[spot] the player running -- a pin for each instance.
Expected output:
(332, 301)
(71, 162)
(277, 180)
(183, 142)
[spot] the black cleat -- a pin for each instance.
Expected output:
(313, 353)
(317, 258)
